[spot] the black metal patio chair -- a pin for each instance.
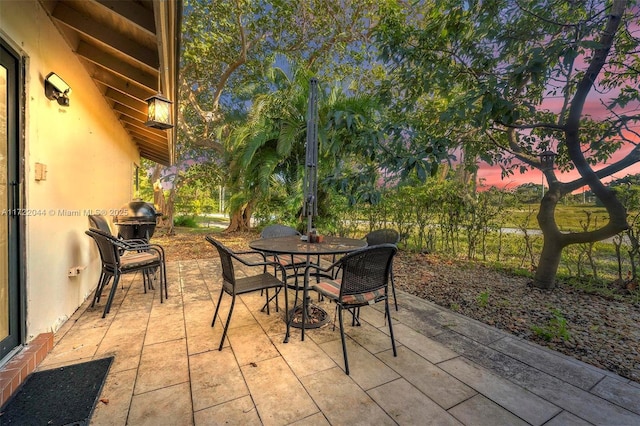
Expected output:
(121, 257)
(289, 262)
(235, 286)
(385, 236)
(100, 222)
(363, 280)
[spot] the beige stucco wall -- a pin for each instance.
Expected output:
(89, 161)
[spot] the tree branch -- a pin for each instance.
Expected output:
(630, 159)
(532, 126)
(583, 88)
(241, 59)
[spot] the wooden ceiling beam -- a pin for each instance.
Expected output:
(123, 109)
(116, 82)
(132, 122)
(105, 36)
(139, 128)
(133, 12)
(158, 158)
(149, 145)
(146, 135)
(123, 99)
(114, 64)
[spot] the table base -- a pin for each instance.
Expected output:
(316, 317)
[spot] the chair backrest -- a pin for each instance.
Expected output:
(108, 250)
(97, 221)
(382, 236)
(366, 269)
(278, 230)
(228, 272)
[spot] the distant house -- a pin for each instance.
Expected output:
(66, 154)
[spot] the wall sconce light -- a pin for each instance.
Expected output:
(159, 112)
(546, 159)
(56, 88)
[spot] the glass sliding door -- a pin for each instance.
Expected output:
(10, 314)
(4, 249)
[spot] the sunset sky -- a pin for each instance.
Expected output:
(490, 176)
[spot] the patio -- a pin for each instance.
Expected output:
(449, 369)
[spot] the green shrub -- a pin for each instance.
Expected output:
(185, 221)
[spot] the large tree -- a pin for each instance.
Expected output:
(267, 152)
(229, 46)
(516, 78)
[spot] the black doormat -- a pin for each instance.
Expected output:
(61, 396)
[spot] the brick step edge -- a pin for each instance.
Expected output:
(16, 371)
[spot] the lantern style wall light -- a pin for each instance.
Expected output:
(56, 88)
(547, 159)
(159, 112)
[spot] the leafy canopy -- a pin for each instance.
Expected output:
(503, 77)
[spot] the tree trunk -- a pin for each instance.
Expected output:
(555, 241)
(552, 245)
(545, 276)
(160, 203)
(170, 207)
(240, 219)
(159, 200)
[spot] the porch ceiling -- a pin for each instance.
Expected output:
(129, 48)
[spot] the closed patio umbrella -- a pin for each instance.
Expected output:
(310, 207)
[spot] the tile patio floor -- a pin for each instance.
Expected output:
(449, 369)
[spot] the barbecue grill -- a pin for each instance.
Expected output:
(139, 222)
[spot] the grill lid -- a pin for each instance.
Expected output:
(137, 212)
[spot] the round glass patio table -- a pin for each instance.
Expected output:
(294, 245)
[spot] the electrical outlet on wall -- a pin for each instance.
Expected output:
(74, 271)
